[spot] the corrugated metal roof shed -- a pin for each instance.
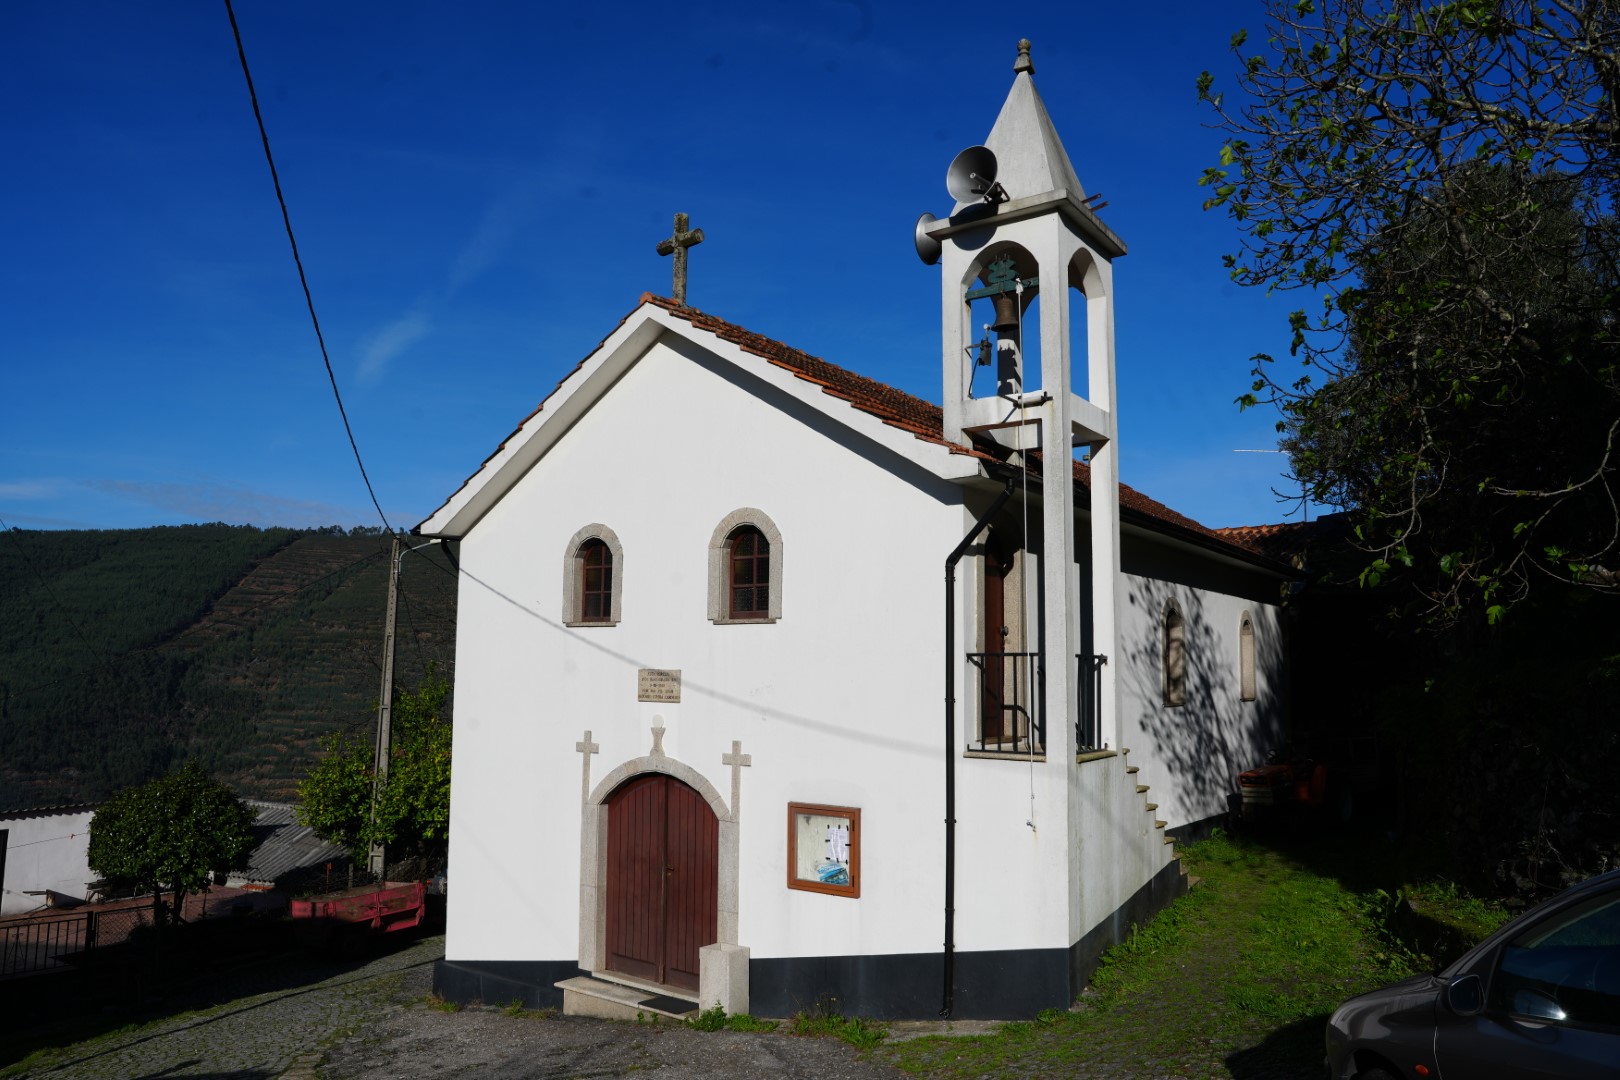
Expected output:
(19, 813)
(286, 848)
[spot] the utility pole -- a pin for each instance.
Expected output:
(385, 707)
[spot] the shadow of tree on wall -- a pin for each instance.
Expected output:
(1206, 741)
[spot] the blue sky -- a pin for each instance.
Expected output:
(477, 190)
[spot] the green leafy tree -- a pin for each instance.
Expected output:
(335, 798)
(1440, 176)
(412, 813)
(171, 835)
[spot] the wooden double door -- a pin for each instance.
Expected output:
(663, 875)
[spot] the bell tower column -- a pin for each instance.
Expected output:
(1098, 285)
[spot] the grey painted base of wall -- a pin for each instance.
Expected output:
(499, 982)
(998, 985)
(911, 986)
(1194, 831)
(1145, 903)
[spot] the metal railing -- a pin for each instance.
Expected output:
(40, 943)
(1088, 720)
(51, 939)
(1009, 688)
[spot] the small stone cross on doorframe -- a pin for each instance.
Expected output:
(586, 748)
(676, 245)
(738, 761)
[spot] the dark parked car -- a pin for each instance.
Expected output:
(1538, 998)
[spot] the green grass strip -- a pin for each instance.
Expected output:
(1238, 974)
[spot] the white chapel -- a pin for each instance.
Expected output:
(889, 707)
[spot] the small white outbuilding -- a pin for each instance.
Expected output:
(44, 857)
(809, 693)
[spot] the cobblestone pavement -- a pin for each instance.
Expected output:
(341, 1022)
(259, 1034)
(416, 1041)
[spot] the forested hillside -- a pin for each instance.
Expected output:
(123, 652)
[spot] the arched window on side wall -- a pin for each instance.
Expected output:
(1175, 656)
(1246, 678)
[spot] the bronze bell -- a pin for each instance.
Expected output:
(1006, 313)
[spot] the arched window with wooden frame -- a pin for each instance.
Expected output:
(593, 575)
(1247, 689)
(748, 560)
(745, 569)
(595, 582)
(1175, 655)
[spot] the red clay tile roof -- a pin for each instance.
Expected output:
(901, 410)
(1283, 542)
(894, 407)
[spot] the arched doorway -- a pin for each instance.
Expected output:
(663, 869)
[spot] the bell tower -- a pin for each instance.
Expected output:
(1027, 284)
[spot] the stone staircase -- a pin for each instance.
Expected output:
(1152, 807)
(1158, 823)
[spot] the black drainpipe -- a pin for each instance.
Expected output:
(950, 741)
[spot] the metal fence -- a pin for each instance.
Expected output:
(52, 940)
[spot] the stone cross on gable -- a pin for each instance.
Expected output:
(586, 748)
(736, 759)
(676, 245)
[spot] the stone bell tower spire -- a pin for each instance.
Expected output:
(1024, 256)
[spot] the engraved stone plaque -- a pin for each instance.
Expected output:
(658, 684)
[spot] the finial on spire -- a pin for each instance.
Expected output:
(1024, 63)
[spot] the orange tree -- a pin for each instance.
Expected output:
(171, 835)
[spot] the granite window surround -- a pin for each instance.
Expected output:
(573, 613)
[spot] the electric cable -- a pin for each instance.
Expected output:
(1023, 561)
(303, 280)
(416, 631)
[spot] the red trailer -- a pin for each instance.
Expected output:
(343, 919)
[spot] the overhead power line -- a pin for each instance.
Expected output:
(303, 280)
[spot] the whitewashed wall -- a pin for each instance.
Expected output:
(1190, 754)
(45, 851)
(1117, 848)
(839, 702)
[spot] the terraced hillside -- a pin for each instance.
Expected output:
(123, 652)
